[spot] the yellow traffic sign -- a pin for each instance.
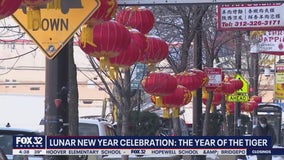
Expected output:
(56, 26)
(238, 98)
(245, 88)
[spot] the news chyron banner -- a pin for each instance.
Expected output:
(223, 145)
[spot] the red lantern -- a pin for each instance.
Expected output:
(230, 107)
(217, 98)
(129, 56)
(202, 75)
(159, 84)
(110, 38)
(237, 83)
(255, 98)
(227, 88)
(157, 50)
(105, 12)
(248, 106)
(7, 8)
(189, 80)
(139, 18)
(180, 97)
(33, 12)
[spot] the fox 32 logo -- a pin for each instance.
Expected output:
(26, 142)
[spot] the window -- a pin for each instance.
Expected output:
(86, 129)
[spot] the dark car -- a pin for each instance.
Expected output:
(6, 142)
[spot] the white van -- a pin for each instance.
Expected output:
(95, 127)
(90, 127)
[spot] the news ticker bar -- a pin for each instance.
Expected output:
(273, 151)
(172, 142)
(129, 151)
(89, 145)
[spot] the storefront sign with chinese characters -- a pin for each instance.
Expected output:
(266, 16)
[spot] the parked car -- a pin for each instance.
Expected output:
(90, 126)
(6, 142)
(95, 127)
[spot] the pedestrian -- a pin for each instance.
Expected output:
(264, 129)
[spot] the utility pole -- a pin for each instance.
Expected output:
(237, 113)
(238, 59)
(56, 91)
(197, 100)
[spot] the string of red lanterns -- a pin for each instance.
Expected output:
(155, 51)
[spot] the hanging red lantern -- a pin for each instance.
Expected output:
(202, 75)
(7, 8)
(105, 12)
(255, 98)
(189, 80)
(227, 88)
(33, 12)
(157, 50)
(230, 107)
(159, 84)
(129, 56)
(248, 106)
(110, 38)
(180, 97)
(139, 18)
(217, 98)
(237, 83)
